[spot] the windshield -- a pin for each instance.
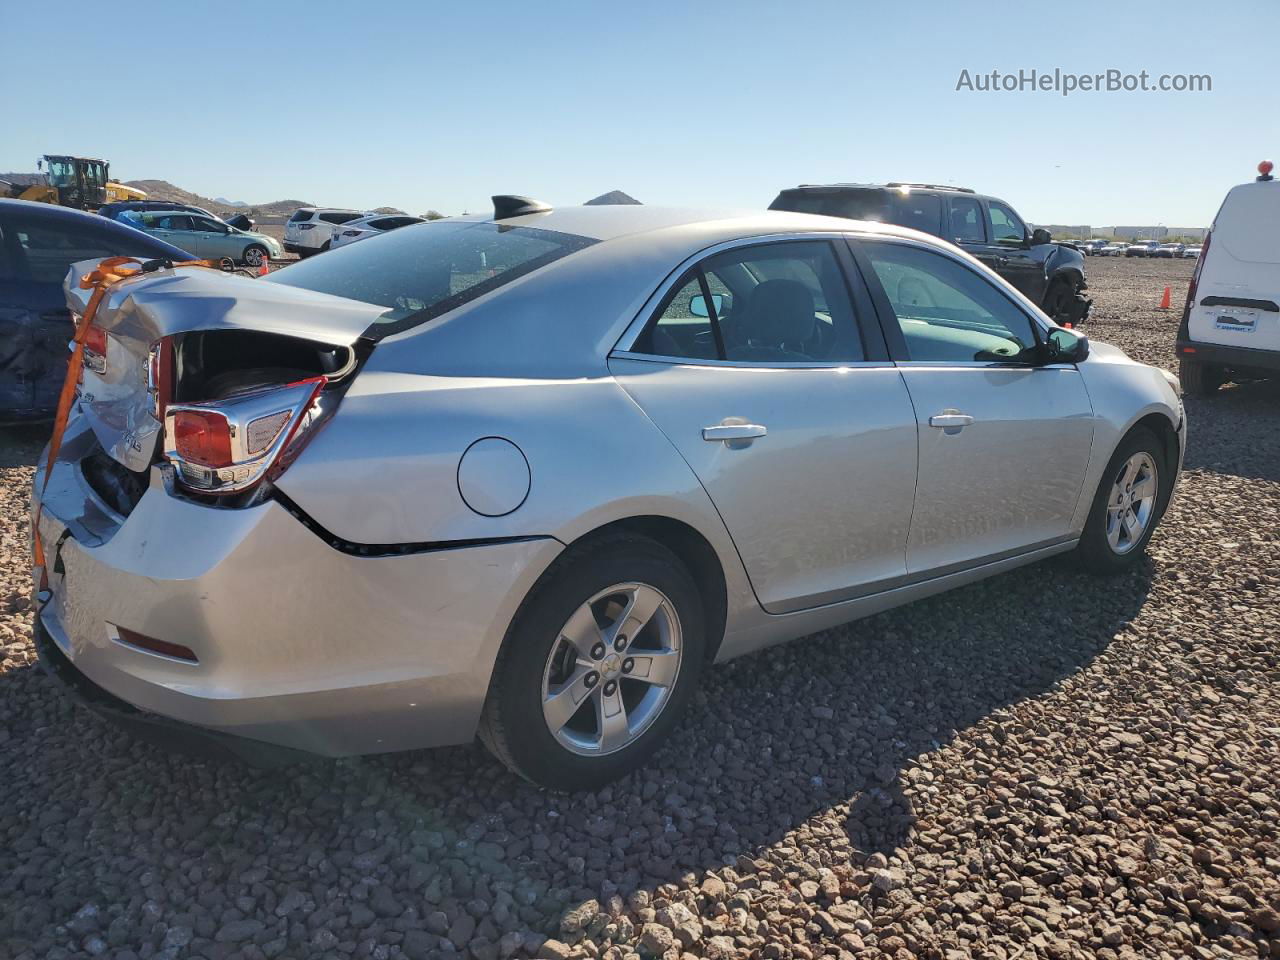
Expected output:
(423, 271)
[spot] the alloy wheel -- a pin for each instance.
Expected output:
(611, 669)
(1132, 503)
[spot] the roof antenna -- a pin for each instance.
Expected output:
(506, 205)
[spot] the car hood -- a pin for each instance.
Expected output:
(139, 311)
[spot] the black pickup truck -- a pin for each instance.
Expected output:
(1049, 274)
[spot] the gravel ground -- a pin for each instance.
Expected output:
(1042, 765)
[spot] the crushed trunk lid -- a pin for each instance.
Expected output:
(139, 311)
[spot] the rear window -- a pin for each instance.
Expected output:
(421, 274)
(852, 204)
(920, 211)
(300, 215)
(340, 217)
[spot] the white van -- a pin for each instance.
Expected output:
(1231, 324)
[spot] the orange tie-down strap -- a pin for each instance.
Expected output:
(108, 272)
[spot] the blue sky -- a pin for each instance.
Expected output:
(439, 105)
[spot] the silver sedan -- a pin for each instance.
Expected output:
(528, 476)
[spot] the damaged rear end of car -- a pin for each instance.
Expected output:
(217, 381)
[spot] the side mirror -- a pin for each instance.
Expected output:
(1040, 235)
(1065, 346)
(698, 305)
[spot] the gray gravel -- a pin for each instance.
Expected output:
(1043, 765)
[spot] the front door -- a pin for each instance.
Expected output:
(1011, 248)
(757, 369)
(1003, 442)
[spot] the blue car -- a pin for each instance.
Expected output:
(38, 243)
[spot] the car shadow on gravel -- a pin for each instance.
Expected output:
(805, 746)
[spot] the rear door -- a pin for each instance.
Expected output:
(1238, 292)
(769, 375)
(1003, 443)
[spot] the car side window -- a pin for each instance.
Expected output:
(770, 303)
(1006, 228)
(966, 221)
(683, 328)
(947, 311)
(209, 226)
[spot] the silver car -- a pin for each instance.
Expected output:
(529, 476)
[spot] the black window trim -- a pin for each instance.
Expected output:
(889, 318)
(867, 321)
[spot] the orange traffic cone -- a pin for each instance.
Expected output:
(265, 268)
(1164, 301)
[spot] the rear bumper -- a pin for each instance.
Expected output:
(298, 644)
(1237, 358)
(292, 247)
(151, 727)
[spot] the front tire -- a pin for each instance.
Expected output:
(255, 255)
(598, 665)
(1129, 502)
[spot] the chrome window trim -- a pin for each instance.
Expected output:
(748, 364)
(1015, 297)
(623, 348)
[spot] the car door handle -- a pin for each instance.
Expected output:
(1002, 261)
(950, 419)
(55, 315)
(734, 431)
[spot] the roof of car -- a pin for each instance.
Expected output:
(893, 185)
(51, 212)
(710, 225)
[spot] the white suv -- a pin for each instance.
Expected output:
(1231, 323)
(311, 229)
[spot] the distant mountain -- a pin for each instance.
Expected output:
(164, 190)
(23, 179)
(230, 203)
(612, 197)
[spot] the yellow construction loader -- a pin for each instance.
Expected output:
(78, 182)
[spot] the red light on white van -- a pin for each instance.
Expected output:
(1264, 170)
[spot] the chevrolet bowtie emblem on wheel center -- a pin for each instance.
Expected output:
(611, 666)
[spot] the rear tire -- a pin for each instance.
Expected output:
(1199, 379)
(1127, 506)
(589, 594)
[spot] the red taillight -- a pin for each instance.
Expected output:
(230, 445)
(95, 339)
(202, 437)
(94, 355)
(1184, 329)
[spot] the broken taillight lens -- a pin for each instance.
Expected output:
(95, 349)
(228, 446)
